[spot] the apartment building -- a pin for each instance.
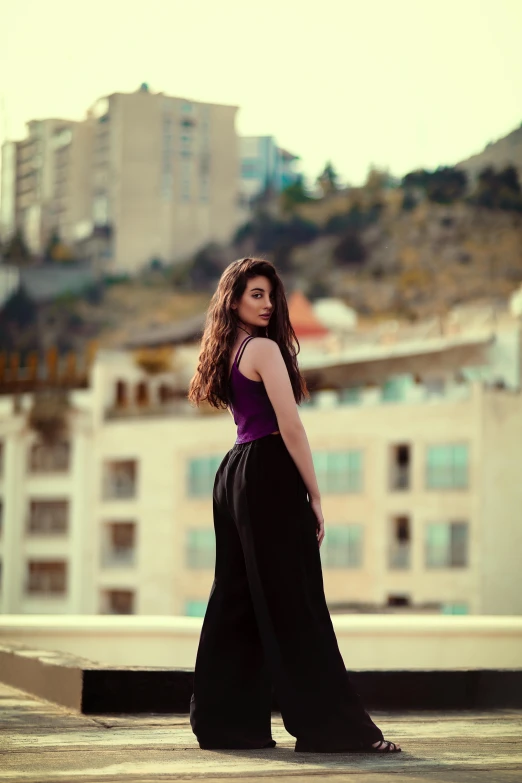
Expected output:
(418, 472)
(264, 164)
(144, 177)
(165, 176)
(43, 176)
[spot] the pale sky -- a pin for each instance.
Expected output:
(399, 83)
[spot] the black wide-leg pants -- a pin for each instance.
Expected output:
(267, 623)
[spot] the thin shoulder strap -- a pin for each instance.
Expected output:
(241, 349)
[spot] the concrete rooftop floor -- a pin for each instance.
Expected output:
(42, 742)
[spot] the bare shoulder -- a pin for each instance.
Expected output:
(265, 346)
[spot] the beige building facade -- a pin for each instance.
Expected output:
(421, 494)
(144, 177)
(165, 175)
(40, 181)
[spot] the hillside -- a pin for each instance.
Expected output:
(422, 262)
(506, 151)
(404, 264)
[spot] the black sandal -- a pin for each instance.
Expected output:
(389, 747)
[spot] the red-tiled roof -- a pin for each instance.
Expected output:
(303, 318)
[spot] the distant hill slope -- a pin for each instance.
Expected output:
(506, 151)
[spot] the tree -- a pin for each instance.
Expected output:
(350, 249)
(444, 185)
(19, 310)
(355, 219)
(409, 201)
(293, 194)
(16, 250)
(328, 179)
(498, 190)
(207, 265)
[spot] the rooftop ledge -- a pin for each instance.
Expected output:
(115, 663)
(382, 641)
(355, 623)
(93, 688)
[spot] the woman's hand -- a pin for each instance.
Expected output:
(316, 507)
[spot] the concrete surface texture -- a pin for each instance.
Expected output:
(44, 743)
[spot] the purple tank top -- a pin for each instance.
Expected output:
(253, 412)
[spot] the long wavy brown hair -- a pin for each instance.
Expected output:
(210, 382)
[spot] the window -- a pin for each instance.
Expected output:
(447, 467)
(186, 179)
(400, 467)
(119, 544)
(350, 396)
(195, 608)
(455, 608)
(47, 577)
(204, 190)
(250, 169)
(47, 458)
(121, 395)
(339, 471)
(48, 517)
(168, 154)
(342, 546)
(201, 475)
(434, 387)
(118, 602)
(400, 543)
(120, 479)
(394, 389)
(398, 600)
(100, 209)
(201, 548)
(446, 544)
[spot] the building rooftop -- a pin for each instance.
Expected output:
(44, 742)
(303, 318)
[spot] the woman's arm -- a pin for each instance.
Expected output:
(269, 363)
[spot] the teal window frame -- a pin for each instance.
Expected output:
(447, 545)
(447, 466)
(343, 546)
(394, 389)
(455, 607)
(339, 472)
(201, 474)
(195, 607)
(201, 548)
(350, 396)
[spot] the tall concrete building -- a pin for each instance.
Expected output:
(145, 176)
(41, 180)
(418, 467)
(165, 178)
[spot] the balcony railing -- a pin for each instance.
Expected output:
(400, 477)
(49, 459)
(119, 557)
(119, 489)
(46, 583)
(48, 521)
(399, 555)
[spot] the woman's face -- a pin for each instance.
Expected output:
(257, 301)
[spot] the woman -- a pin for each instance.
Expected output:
(267, 622)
